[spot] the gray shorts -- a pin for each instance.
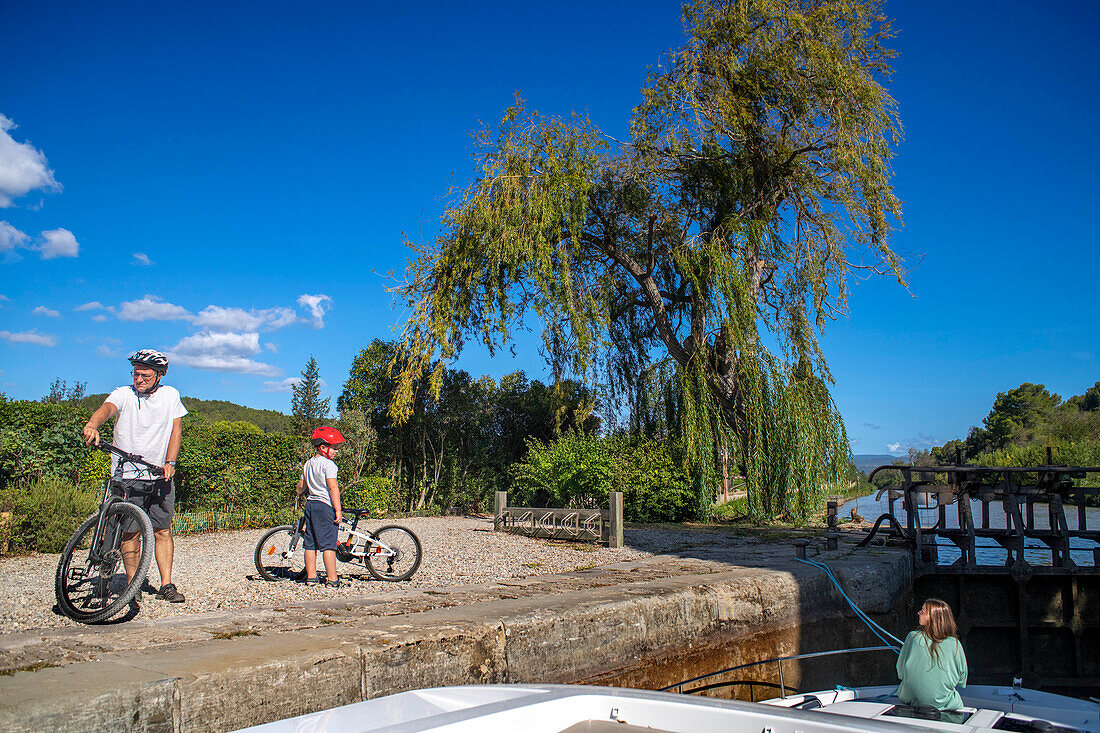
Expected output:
(157, 498)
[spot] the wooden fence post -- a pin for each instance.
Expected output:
(499, 505)
(616, 537)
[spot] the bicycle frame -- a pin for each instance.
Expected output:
(98, 538)
(377, 547)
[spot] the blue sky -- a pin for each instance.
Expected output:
(231, 182)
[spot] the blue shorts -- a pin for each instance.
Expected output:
(319, 532)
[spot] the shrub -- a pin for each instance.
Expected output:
(655, 482)
(577, 470)
(580, 470)
(41, 516)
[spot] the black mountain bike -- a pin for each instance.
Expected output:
(91, 584)
(389, 553)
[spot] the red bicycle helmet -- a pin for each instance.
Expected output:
(326, 436)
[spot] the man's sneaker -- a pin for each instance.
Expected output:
(170, 594)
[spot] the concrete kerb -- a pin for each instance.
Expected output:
(227, 683)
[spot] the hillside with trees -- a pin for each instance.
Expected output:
(268, 421)
(1022, 423)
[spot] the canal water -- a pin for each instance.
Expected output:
(988, 551)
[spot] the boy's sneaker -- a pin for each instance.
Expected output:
(170, 594)
(334, 583)
(316, 580)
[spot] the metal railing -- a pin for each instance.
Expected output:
(778, 661)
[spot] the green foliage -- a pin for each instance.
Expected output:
(40, 440)
(42, 515)
(575, 471)
(221, 466)
(306, 406)
(804, 453)
(578, 470)
(1017, 414)
(269, 421)
(656, 484)
(758, 162)
(1029, 418)
(60, 392)
(456, 447)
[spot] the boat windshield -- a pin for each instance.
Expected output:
(927, 712)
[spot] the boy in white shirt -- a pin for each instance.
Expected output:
(323, 512)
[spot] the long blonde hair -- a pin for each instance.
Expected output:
(939, 623)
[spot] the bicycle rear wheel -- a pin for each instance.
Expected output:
(275, 559)
(402, 558)
(91, 590)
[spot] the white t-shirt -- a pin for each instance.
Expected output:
(144, 425)
(316, 473)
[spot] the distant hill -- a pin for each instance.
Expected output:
(868, 461)
(270, 421)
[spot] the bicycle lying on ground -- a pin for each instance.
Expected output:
(389, 553)
(92, 584)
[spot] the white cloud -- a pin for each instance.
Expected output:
(4, 299)
(317, 305)
(893, 447)
(106, 351)
(287, 385)
(10, 237)
(284, 385)
(276, 318)
(217, 318)
(58, 243)
(222, 352)
(29, 337)
(100, 318)
(44, 311)
(272, 347)
(152, 308)
(23, 168)
(140, 258)
(93, 305)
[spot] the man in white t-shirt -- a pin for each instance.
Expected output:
(148, 424)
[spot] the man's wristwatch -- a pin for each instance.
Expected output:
(171, 463)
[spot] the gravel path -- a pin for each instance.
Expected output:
(216, 572)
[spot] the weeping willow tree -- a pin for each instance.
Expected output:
(711, 247)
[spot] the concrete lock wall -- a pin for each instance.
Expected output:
(648, 634)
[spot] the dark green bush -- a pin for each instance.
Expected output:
(579, 470)
(42, 515)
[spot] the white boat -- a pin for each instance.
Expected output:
(985, 707)
(519, 708)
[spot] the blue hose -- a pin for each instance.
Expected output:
(875, 628)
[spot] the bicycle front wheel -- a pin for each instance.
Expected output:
(279, 554)
(396, 556)
(91, 584)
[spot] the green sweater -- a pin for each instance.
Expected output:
(928, 681)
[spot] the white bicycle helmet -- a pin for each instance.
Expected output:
(150, 358)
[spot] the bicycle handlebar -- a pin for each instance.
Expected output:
(129, 457)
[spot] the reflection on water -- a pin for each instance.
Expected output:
(987, 550)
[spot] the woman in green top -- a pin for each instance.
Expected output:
(932, 663)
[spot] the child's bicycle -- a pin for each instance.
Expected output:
(389, 553)
(91, 583)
